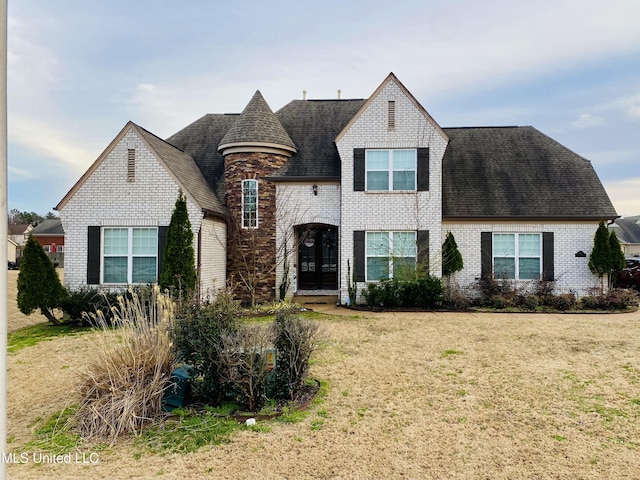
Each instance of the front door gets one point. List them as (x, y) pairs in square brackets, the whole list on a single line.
[(318, 258)]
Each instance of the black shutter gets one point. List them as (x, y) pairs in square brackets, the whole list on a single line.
[(93, 255), (358, 169), (162, 237), (358, 255), (486, 254), (547, 256), (422, 246), (423, 169)]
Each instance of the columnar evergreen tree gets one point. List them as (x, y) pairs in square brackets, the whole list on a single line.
[(599, 259), (607, 256), (178, 265), (451, 256), (617, 255), (38, 283)]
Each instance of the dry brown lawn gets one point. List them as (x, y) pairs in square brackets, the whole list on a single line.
[(412, 396)]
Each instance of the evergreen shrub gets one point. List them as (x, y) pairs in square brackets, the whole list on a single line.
[(422, 292)]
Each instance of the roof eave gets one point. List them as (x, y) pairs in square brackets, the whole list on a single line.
[(215, 214), (261, 147), (301, 178), (512, 218)]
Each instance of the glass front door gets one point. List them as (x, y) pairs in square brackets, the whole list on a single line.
[(318, 258)]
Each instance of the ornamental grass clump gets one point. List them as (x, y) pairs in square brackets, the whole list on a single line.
[(121, 389)]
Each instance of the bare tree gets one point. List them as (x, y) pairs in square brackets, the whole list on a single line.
[(256, 253), (242, 360)]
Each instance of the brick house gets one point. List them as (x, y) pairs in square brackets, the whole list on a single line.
[(628, 232), (370, 185), (50, 234)]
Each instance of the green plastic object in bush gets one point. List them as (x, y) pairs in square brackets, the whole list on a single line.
[(178, 390)]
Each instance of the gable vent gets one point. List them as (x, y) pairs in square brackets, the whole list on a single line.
[(392, 114), (131, 164)]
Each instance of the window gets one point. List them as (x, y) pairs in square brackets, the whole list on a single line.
[(130, 255), (249, 204), (517, 256), (390, 254), (391, 170)]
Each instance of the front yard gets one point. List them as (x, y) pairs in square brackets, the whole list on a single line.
[(410, 395)]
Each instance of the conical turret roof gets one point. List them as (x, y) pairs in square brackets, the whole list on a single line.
[(257, 126)]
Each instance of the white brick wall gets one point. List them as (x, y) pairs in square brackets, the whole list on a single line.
[(390, 210), (297, 205), (106, 198), (572, 273)]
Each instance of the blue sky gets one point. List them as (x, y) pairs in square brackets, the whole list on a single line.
[(79, 70)]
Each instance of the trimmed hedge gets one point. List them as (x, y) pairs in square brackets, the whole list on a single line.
[(426, 292)]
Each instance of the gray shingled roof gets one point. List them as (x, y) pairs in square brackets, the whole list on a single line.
[(499, 172), (51, 226), (518, 172), (200, 140), (186, 171), (18, 228), (627, 229), (313, 125), (257, 124)]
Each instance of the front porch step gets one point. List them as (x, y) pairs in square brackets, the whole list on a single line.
[(316, 299)]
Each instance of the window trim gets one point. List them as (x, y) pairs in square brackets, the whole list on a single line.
[(516, 255), (242, 192), (390, 254), (390, 169), (129, 255)]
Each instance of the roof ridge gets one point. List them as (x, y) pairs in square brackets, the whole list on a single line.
[(487, 126), (157, 137)]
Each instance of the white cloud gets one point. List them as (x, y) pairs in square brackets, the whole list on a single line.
[(625, 196), (587, 120), (20, 173), (634, 111), (64, 93), (51, 142)]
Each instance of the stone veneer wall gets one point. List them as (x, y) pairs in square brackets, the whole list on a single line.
[(251, 252)]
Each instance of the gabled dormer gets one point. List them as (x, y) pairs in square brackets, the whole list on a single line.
[(391, 143), (391, 197)]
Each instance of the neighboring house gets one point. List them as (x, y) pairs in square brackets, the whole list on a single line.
[(12, 250), (628, 232), (369, 185), (50, 234), (19, 233)]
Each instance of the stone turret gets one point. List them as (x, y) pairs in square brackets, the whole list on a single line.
[(255, 147)]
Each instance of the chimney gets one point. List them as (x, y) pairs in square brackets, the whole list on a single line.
[(304, 94), (339, 93)]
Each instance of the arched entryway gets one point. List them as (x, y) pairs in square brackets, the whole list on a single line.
[(317, 257)]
